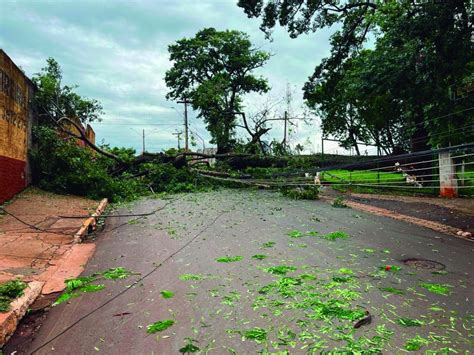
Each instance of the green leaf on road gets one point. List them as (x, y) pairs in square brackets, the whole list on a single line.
[(436, 288), (229, 259), (159, 326), (167, 294), (295, 234)]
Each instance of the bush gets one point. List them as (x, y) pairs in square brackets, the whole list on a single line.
[(167, 178), (60, 165), (301, 192)]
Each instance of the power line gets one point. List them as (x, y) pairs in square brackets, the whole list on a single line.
[(128, 288)]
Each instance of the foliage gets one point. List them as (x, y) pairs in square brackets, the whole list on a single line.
[(85, 284), (408, 322), (159, 326), (167, 178), (339, 202), (213, 71), (167, 294), (55, 100), (259, 256), (229, 259), (301, 192), (60, 165), (335, 235), (399, 94), (436, 288), (9, 291)]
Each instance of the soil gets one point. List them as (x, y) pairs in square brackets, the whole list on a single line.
[(453, 212)]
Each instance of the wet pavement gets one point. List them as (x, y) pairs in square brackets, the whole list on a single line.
[(286, 285)]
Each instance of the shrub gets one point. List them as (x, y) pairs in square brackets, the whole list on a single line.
[(60, 165), (301, 192)]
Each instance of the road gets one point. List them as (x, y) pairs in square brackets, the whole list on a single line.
[(304, 294)]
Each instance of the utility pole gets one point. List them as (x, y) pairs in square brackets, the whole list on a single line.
[(284, 134), (178, 134), (143, 142), (186, 140)]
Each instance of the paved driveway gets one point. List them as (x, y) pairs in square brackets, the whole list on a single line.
[(286, 285)]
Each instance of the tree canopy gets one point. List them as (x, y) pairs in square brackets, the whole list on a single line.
[(55, 100), (396, 92), (213, 70)]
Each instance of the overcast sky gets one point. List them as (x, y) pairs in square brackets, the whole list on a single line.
[(116, 51)]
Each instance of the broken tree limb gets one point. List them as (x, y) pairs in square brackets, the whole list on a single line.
[(86, 140)]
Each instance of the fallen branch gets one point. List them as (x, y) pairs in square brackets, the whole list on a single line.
[(86, 140)]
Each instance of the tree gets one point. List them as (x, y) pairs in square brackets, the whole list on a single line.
[(213, 70), (54, 100), (423, 49)]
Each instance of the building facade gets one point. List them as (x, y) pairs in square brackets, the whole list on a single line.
[(16, 120)]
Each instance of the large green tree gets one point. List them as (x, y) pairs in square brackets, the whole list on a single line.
[(55, 100), (213, 70), (400, 88)]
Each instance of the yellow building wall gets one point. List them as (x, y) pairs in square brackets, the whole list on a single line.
[(13, 110)]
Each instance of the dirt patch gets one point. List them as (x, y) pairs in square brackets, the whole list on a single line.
[(423, 210)]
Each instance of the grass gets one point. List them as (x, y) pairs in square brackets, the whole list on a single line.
[(9, 291), (362, 177)]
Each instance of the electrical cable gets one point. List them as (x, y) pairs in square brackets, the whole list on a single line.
[(33, 226), (133, 284)]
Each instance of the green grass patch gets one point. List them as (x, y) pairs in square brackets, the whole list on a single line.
[(362, 176)]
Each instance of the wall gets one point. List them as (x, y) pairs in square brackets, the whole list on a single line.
[(16, 116)]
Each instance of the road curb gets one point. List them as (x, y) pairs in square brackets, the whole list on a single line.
[(10, 319), (71, 265), (438, 227), (90, 223)]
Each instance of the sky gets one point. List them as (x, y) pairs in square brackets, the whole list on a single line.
[(116, 51)]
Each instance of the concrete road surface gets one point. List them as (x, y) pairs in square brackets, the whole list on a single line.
[(285, 282)]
